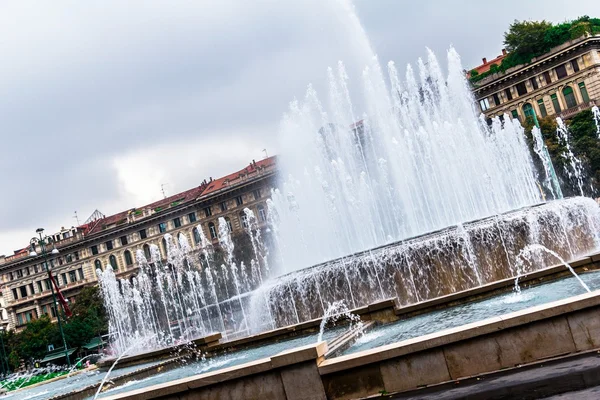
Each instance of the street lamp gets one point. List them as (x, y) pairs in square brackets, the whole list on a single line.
[(43, 241)]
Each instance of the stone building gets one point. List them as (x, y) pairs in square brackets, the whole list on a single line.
[(562, 82), (114, 240)]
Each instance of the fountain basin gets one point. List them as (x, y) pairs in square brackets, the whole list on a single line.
[(436, 264)]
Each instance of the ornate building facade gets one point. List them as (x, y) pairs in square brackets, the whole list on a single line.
[(562, 82), (114, 240)]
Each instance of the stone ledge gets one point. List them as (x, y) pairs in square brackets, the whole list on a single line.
[(299, 354), (460, 333)]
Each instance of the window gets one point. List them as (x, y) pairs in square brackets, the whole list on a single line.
[(229, 226), (19, 273), (547, 78), (39, 286), (262, 215), (11, 276), (31, 291), (197, 237), (239, 200), (508, 94), (192, 217), (94, 250), (177, 222), (542, 108), (113, 262), (23, 291), (36, 269), (48, 284), (98, 265), (14, 292), (515, 114), (123, 240), (496, 99), (147, 252), (584, 93), (162, 227), (64, 278), (128, 258), (534, 83), (569, 97), (143, 234), (257, 194), (76, 255), (521, 89), (212, 230), (575, 65), (20, 319), (69, 258), (53, 311), (207, 212), (244, 219), (528, 110), (484, 104), (561, 71), (555, 103), (109, 245), (72, 276), (66, 235), (80, 273), (223, 206), (60, 261)]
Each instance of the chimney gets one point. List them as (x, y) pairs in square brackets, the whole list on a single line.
[(484, 60), (503, 52)]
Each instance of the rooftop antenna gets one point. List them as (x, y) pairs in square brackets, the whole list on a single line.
[(77, 218), (162, 189), (266, 155)]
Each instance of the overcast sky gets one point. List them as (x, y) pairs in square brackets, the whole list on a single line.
[(102, 102)]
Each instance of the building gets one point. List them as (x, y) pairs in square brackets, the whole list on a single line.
[(562, 82), (114, 240)]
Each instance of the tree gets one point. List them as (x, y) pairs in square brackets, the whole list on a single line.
[(527, 38), (35, 338), (89, 318)]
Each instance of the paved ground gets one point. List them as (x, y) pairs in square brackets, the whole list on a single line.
[(574, 377)]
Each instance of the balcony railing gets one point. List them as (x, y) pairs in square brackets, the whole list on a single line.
[(570, 112)]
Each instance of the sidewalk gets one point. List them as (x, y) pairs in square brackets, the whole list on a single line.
[(570, 377)]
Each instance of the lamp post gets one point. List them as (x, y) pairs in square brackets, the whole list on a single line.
[(42, 242)]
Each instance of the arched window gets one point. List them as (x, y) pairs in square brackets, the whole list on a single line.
[(229, 224), (147, 252), (98, 265), (212, 230), (128, 258), (244, 219), (262, 214), (197, 238), (113, 262), (528, 110), (164, 244), (569, 97)]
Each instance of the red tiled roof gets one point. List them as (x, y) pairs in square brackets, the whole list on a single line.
[(485, 67), (183, 197), (236, 177)]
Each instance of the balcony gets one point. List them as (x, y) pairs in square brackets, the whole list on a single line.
[(571, 112)]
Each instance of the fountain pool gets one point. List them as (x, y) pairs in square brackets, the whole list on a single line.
[(473, 311), (224, 361)]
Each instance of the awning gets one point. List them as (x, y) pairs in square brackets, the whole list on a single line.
[(94, 344), (57, 355)]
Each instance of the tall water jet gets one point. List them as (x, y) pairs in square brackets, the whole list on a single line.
[(419, 160), (596, 114), (550, 182), (573, 167)]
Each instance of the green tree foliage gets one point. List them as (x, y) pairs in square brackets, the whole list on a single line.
[(88, 319), (35, 338), (525, 40), (584, 144)]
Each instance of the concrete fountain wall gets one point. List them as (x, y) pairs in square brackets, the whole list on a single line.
[(437, 264)]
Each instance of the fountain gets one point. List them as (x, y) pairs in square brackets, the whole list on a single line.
[(596, 114), (573, 167), (418, 199)]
